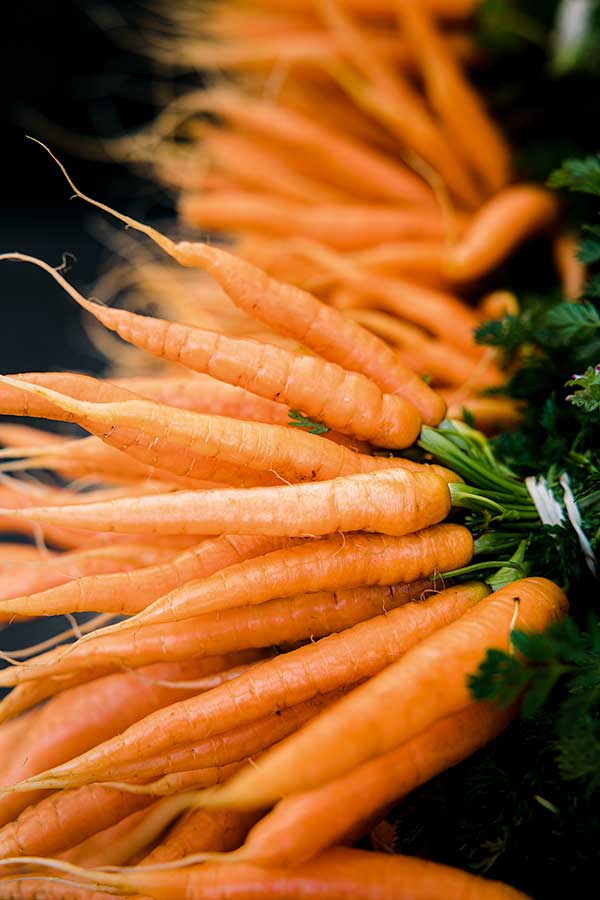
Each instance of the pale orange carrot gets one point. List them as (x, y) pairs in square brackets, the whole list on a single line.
[(497, 304), (571, 270)]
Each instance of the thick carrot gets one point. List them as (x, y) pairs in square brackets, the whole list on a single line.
[(266, 370), (428, 683), (282, 621), (338, 874), (344, 226), (498, 226), (126, 593), (300, 827), (461, 111), (80, 718), (391, 501), (337, 661)]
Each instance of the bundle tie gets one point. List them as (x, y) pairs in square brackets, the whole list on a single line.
[(551, 512)]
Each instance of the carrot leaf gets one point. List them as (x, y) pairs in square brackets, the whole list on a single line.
[(298, 420)]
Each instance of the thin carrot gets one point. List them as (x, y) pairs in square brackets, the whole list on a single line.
[(497, 304), (337, 661), (464, 117), (497, 227), (428, 683), (344, 226), (80, 718), (222, 749), (282, 621), (111, 846), (130, 592), (266, 370), (338, 874), (571, 270), (490, 414)]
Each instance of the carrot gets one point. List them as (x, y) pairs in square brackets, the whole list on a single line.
[(341, 159), (126, 593), (266, 370), (497, 304), (344, 226), (338, 874), (443, 314), (283, 621), (222, 749), (302, 826), (302, 316), (199, 829), (428, 683), (490, 414), (392, 501), (464, 117), (337, 661), (572, 272), (47, 572), (80, 718), (499, 225), (111, 846), (15, 554), (444, 363), (392, 100)]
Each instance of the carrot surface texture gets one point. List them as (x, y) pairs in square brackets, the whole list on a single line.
[(337, 661), (426, 684)]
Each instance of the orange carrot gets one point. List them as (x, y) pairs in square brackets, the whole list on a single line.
[(300, 827), (337, 661), (490, 414), (130, 592), (338, 874), (344, 226), (266, 370), (283, 621), (428, 683), (466, 122), (508, 218), (391, 501), (497, 304), (80, 718), (111, 846), (572, 272)]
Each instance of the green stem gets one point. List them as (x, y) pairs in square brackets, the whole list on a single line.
[(490, 564)]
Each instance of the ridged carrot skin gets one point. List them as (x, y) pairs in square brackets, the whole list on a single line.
[(428, 683), (283, 621), (391, 501), (335, 662)]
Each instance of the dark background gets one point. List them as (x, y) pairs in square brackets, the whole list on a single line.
[(65, 63)]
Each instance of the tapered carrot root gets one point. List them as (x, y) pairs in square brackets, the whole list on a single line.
[(84, 716), (571, 270), (266, 370), (312, 323), (459, 107), (490, 414), (300, 827), (503, 222), (222, 749), (439, 667), (282, 621), (127, 593), (46, 573), (344, 226), (392, 501), (337, 661), (338, 874)]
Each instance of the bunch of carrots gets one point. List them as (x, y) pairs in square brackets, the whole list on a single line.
[(280, 649)]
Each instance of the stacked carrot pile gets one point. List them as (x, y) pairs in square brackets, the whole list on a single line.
[(348, 153), (279, 652)]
